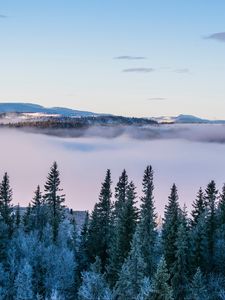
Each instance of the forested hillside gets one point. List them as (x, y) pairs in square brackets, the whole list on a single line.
[(120, 252)]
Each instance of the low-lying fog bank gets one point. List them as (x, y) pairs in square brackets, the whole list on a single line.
[(189, 155)]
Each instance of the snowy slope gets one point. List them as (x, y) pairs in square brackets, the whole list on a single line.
[(35, 108)]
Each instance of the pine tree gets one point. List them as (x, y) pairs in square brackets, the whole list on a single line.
[(131, 275), (180, 267), (171, 224), (148, 232), (199, 207), (123, 230), (23, 283), (54, 200), (211, 197), (161, 290), (100, 223), (6, 208), (198, 287)]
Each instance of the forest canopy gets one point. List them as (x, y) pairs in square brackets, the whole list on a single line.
[(120, 252)]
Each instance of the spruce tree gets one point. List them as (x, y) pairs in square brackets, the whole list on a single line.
[(37, 200), (37, 207), (211, 225), (4, 240), (6, 208), (123, 230), (100, 223), (147, 227), (132, 273), (179, 271), (18, 216), (94, 285), (198, 287), (54, 199), (172, 220), (23, 283), (27, 219), (161, 289), (82, 258), (222, 207), (198, 245), (120, 193), (199, 207)]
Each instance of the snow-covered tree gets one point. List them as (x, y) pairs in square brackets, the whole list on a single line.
[(147, 226), (23, 283), (6, 207), (171, 224), (161, 289), (54, 199), (132, 273), (122, 234), (198, 287), (100, 223), (94, 285)]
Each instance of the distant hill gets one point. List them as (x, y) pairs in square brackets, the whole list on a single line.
[(35, 108), (187, 119), (17, 112)]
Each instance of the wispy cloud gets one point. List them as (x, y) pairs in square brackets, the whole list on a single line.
[(218, 36), (156, 99), (2, 16), (130, 57), (138, 70), (182, 70)]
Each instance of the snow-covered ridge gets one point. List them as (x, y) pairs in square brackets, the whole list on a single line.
[(38, 109)]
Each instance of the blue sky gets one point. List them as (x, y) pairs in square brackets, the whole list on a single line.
[(130, 57)]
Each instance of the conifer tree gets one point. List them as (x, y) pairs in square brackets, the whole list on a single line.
[(123, 230), (198, 245), (82, 258), (198, 287), (147, 227), (211, 225), (54, 199), (161, 289), (23, 283), (131, 275), (120, 192), (27, 220), (101, 223), (94, 285), (4, 279), (180, 267), (222, 207), (3, 241), (37, 200), (199, 207), (6, 207), (37, 207), (18, 216), (172, 219)]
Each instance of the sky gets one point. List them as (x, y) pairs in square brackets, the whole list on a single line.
[(129, 57)]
